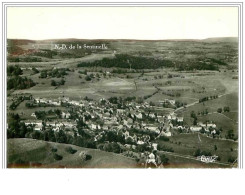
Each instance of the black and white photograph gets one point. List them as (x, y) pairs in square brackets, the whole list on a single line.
[(122, 87)]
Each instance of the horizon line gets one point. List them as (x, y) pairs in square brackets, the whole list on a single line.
[(126, 39)]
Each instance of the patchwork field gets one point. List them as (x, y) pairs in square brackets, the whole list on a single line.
[(193, 79)]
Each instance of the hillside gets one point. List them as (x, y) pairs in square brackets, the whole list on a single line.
[(29, 153)]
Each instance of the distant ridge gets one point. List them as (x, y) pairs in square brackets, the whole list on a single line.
[(211, 39), (221, 39)]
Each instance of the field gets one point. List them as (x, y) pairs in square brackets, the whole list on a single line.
[(35, 153), (187, 144), (186, 71)]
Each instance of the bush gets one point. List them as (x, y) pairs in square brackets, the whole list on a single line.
[(53, 83), (226, 109), (231, 159), (88, 157), (14, 70), (35, 70), (57, 156), (219, 110), (71, 150), (230, 135), (18, 82), (164, 159), (84, 156), (54, 149), (198, 152), (112, 147), (164, 148), (163, 138), (87, 78)]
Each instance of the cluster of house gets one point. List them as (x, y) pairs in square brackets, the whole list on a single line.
[(208, 127), (56, 126), (106, 116)]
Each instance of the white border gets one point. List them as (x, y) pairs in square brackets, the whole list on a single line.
[(177, 181)]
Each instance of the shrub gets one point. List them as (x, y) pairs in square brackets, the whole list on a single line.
[(164, 148), (198, 152), (226, 109), (54, 149), (164, 138), (53, 83), (219, 110), (84, 156), (231, 159), (18, 82), (57, 156), (14, 70), (71, 150), (164, 159), (88, 157), (87, 78)]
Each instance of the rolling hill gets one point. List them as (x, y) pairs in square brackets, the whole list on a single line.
[(30, 153)]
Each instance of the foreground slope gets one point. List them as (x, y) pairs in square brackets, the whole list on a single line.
[(24, 152)]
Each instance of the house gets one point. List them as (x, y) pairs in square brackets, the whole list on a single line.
[(126, 134), (120, 127), (65, 115), (151, 159), (33, 115), (129, 121), (180, 119), (195, 128), (94, 126), (152, 128), (211, 125), (213, 132), (140, 142), (154, 145), (152, 115), (201, 124), (37, 125), (166, 133), (120, 111), (139, 116), (169, 117)]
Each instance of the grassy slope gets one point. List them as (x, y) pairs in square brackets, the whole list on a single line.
[(187, 144), (33, 152)]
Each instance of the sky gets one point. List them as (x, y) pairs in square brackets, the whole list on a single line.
[(146, 23)]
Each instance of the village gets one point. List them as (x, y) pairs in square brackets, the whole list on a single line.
[(136, 123)]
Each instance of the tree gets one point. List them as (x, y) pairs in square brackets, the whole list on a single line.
[(164, 159), (14, 70), (193, 115), (215, 148), (195, 121), (62, 82), (57, 156), (197, 153), (53, 83), (35, 70), (61, 137), (230, 134), (88, 78), (43, 74), (231, 159), (226, 109), (219, 110)]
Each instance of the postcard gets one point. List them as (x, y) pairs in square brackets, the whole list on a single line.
[(122, 86)]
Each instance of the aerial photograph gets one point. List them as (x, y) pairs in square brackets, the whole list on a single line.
[(122, 87)]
